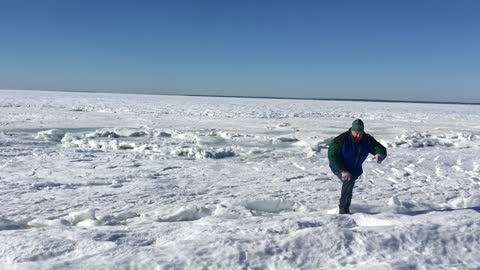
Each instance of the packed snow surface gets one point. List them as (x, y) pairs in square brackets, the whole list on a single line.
[(116, 181)]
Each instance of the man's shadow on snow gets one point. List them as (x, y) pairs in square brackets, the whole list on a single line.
[(414, 213), (422, 212)]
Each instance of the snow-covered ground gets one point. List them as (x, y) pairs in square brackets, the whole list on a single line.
[(116, 181)]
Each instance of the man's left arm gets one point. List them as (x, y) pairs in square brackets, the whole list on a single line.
[(377, 148)]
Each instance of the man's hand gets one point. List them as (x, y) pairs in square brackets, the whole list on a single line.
[(346, 176), (379, 158)]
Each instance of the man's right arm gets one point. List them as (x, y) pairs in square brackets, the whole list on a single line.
[(335, 154)]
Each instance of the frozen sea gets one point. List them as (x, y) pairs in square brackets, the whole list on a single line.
[(119, 181)]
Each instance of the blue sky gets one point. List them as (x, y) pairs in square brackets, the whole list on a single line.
[(404, 50)]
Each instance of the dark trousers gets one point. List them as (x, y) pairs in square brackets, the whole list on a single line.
[(347, 189), (346, 195)]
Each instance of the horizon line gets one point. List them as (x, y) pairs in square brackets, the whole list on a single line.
[(268, 97)]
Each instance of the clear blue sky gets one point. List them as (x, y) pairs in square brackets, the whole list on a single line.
[(407, 50)]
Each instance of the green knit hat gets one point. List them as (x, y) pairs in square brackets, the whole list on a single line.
[(357, 125)]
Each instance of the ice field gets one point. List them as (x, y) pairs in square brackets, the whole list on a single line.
[(118, 181)]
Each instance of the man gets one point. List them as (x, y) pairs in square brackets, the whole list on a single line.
[(346, 154)]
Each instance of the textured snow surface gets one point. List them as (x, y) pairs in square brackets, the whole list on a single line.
[(112, 181)]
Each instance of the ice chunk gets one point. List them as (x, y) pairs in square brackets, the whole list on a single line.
[(52, 135), (88, 223), (472, 201), (41, 222), (79, 216), (271, 205), (189, 213)]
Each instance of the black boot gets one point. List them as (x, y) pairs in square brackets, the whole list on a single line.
[(343, 210)]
